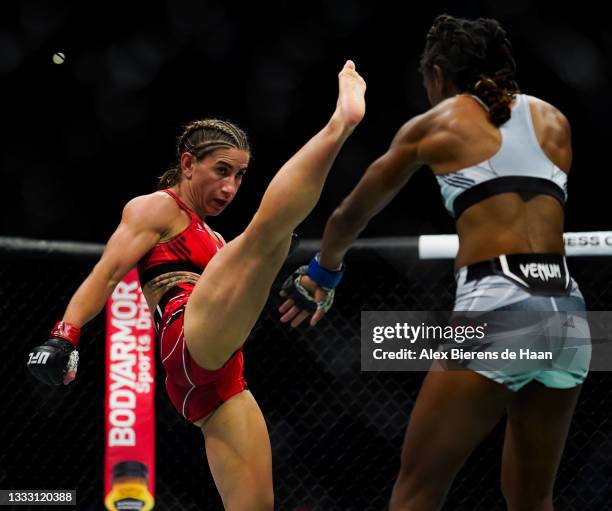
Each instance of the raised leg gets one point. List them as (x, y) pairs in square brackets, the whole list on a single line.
[(233, 289)]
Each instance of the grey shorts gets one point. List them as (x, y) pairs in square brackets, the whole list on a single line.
[(540, 324)]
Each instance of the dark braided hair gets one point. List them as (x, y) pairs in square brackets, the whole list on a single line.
[(201, 138), (476, 56)]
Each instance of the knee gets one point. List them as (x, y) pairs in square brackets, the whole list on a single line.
[(415, 489)]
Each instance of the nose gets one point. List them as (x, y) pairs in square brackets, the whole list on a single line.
[(229, 188)]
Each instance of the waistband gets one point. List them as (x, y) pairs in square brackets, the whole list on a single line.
[(155, 271), (537, 273)]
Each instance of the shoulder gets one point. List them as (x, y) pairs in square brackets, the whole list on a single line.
[(152, 203), (459, 112), (155, 210), (450, 114), (544, 112), (443, 127), (543, 106)]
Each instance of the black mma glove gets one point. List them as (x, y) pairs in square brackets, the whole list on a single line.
[(324, 278), (51, 360)]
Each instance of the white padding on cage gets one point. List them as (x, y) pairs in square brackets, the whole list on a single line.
[(438, 246), (595, 243)]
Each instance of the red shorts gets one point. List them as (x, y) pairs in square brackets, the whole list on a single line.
[(194, 391)]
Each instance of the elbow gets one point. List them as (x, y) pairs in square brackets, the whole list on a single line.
[(347, 221), (111, 284), (108, 276)]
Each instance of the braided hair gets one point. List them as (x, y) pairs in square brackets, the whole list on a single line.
[(476, 55), (201, 138)]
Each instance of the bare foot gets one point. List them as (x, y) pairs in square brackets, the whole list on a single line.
[(351, 96)]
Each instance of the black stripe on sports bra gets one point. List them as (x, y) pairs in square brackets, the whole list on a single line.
[(526, 186)]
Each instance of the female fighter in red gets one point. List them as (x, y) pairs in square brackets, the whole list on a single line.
[(204, 318)]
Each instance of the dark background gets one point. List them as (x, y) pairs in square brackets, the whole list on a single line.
[(80, 139)]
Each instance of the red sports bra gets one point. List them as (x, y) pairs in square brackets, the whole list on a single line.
[(191, 250)]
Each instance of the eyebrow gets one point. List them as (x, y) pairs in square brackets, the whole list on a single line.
[(223, 162)]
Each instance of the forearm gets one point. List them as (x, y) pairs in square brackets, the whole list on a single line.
[(380, 183), (90, 297), (340, 232)]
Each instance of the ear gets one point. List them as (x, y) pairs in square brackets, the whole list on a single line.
[(187, 162)]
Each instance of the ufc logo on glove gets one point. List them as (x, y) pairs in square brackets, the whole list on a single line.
[(38, 358)]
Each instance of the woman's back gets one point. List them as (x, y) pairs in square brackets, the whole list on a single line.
[(505, 186)]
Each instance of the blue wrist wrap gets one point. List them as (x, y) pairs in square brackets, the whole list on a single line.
[(325, 278)]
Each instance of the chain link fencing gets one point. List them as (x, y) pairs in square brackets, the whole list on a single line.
[(336, 432)]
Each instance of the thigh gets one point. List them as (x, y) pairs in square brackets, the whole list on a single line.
[(228, 298), (239, 453), (454, 411), (538, 422)]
